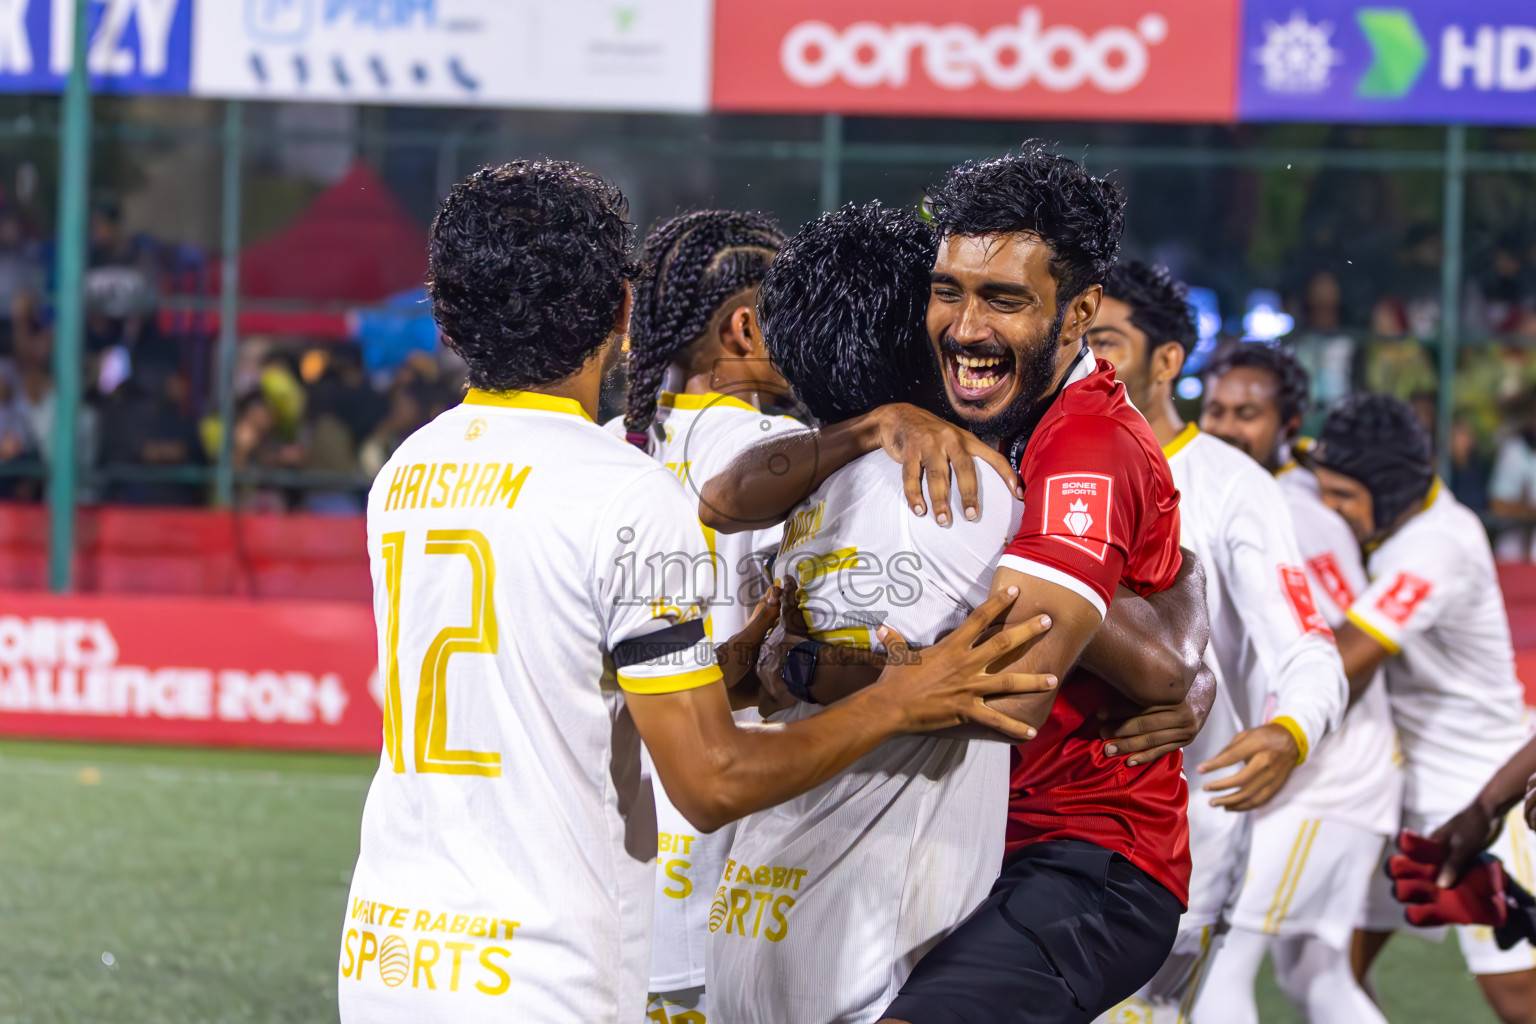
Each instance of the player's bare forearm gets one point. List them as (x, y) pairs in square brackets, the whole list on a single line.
[(1362, 656), (715, 772), (1474, 828), (842, 671), (1149, 648), (763, 483), (1074, 622), (1508, 785)]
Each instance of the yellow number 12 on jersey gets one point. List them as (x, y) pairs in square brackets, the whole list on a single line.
[(479, 637)]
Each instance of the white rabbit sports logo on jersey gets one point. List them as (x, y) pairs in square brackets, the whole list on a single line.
[(1007, 57)]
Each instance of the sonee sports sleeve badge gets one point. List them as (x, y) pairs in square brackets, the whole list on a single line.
[(1089, 493)]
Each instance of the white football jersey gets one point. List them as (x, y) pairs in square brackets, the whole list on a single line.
[(1434, 601), (1267, 637), (696, 437), (828, 900), (528, 568), (1354, 775)]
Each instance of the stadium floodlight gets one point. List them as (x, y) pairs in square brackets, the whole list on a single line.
[(1266, 320)]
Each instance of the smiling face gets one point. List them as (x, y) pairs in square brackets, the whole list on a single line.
[(997, 329), (1350, 499), (1242, 407)]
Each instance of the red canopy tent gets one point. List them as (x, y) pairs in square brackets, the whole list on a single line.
[(356, 243)]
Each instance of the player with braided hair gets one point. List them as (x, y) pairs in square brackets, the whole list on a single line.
[(1434, 616), (1317, 844), (530, 609), (694, 314), (697, 375)]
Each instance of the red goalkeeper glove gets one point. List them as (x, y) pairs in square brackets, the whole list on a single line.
[(1479, 898)]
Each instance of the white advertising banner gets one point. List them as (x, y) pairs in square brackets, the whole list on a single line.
[(590, 54)]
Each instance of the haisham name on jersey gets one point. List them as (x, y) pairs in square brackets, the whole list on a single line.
[(1077, 509)]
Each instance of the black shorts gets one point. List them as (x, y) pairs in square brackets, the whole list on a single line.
[(1069, 930)]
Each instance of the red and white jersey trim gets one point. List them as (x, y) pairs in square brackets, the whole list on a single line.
[(1041, 571)]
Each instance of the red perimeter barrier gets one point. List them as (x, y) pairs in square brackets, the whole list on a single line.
[(194, 551), (164, 644), (199, 670), (210, 665)]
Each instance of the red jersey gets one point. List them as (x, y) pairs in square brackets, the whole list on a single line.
[(1100, 509)]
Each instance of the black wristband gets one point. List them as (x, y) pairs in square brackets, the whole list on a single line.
[(800, 669)]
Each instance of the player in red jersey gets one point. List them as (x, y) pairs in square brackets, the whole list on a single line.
[(1097, 869)]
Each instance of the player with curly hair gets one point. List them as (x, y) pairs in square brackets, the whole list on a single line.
[(1316, 845), (698, 375), (1281, 685), (540, 592), (843, 311), (1433, 617), (1097, 859)]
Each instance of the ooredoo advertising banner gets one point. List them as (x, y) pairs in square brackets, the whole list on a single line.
[(1436, 61), (597, 54), (1127, 60), (209, 671)]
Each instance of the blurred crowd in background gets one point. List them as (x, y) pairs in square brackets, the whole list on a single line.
[(1341, 264)]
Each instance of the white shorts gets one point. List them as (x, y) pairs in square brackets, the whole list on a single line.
[(1171, 994), (1516, 848), (684, 1007), (1307, 876), (1218, 852)]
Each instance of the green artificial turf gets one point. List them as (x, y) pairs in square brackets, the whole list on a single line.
[(214, 882)]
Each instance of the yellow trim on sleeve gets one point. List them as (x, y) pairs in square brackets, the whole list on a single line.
[(1175, 446), (1372, 632), (704, 401), (1434, 492), (526, 400), (691, 680), (1288, 723), (1286, 468)]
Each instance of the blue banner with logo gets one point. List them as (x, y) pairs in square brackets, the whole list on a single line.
[(136, 46), (1434, 61)]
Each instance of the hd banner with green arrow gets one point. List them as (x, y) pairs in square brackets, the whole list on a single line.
[(1431, 61)]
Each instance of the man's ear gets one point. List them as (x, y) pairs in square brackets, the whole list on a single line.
[(1290, 429), (740, 337), (621, 316), (1081, 314), (1167, 362)]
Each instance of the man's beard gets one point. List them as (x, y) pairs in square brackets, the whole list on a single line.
[(1035, 374)]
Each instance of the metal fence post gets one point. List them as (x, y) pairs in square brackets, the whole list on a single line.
[(1450, 286), (229, 299), (69, 302), (831, 162)]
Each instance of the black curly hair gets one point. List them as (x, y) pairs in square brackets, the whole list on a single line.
[(692, 265), (1159, 303), (527, 264), (1379, 441), (1292, 386), (1041, 193), (844, 311)]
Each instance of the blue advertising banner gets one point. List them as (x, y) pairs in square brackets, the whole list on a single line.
[(136, 46), (1434, 61)]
